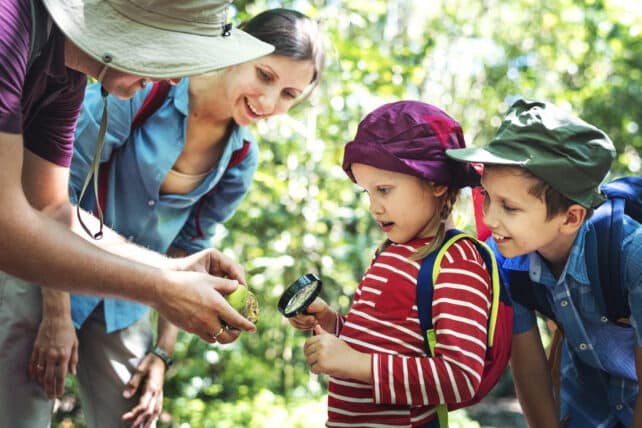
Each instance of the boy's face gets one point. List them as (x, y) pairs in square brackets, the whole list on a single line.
[(516, 218)]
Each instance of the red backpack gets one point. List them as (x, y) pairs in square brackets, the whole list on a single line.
[(500, 320)]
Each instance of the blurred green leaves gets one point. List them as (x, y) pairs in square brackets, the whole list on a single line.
[(470, 57)]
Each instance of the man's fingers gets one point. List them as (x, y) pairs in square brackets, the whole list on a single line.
[(61, 374), (50, 380), (230, 316), (226, 335), (32, 368), (222, 265), (41, 367), (225, 285), (73, 360)]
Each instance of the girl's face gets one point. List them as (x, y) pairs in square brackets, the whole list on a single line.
[(265, 87), (405, 206)]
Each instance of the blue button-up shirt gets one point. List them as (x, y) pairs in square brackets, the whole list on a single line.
[(598, 378), (134, 206)]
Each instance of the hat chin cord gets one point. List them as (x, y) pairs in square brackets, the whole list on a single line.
[(94, 169), (102, 73)]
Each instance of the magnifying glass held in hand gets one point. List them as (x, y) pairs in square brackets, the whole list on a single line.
[(299, 295)]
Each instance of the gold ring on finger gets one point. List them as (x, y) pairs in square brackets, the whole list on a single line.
[(218, 333)]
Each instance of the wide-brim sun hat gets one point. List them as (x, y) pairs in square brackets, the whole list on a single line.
[(567, 153), (156, 38), (410, 137)]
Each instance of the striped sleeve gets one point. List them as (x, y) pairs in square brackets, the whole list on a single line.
[(460, 309)]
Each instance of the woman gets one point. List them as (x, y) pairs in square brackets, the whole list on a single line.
[(165, 184)]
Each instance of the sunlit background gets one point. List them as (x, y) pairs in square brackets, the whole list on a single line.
[(470, 57)]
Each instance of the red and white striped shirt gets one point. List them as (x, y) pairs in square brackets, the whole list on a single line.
[(383, 321)]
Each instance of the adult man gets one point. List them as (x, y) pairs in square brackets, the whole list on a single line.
[(123, 44)]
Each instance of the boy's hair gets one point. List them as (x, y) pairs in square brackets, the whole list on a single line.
[(293, 35), (572, 156)]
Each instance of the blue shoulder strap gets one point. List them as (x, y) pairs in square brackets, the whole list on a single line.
[(424, 308), (428, 272), (604, 244), (425, 289)]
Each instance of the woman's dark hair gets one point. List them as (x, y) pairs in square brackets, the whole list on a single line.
[(293, 35)]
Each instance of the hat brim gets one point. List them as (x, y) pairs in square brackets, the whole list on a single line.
[(480, 155), (99, 30)]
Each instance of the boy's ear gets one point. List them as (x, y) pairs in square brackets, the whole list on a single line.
[(575, 216)]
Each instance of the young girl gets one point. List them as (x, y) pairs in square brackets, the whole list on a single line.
[(169, 182), (380, 374)]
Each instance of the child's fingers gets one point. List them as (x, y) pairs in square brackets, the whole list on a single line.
[(318, 305), (303, 322), (319, 330)]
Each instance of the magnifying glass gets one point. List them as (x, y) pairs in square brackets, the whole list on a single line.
[(298, 296)]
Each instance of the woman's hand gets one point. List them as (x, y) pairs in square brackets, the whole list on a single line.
[(149, 377)]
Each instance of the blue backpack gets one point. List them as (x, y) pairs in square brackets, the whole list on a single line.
[(603, 249), (500, 320)]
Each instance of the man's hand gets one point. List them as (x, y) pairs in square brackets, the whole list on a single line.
[(193, 297), (149, 376), (55, 352), (210, 261)]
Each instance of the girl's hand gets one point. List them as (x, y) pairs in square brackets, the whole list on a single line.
[(317, 313), (326, 353)]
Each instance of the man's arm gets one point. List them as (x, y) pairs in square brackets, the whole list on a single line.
[(532, 379), (42, 250)]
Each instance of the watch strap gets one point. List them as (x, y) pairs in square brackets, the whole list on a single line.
[(163, 356)]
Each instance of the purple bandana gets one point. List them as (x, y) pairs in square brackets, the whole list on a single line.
[(411, 137)]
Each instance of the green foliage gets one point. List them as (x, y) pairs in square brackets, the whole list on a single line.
[(471, 58)]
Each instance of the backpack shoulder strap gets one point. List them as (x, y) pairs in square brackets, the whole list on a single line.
[(154, 100), (41, 26), (604, 244), (519, 283), (524, 292), (237, 157), (428, 273)]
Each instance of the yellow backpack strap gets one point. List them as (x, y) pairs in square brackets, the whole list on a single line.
[(494, 277), (442, 409)]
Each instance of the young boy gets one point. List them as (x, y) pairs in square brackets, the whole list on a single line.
[(541, 176)]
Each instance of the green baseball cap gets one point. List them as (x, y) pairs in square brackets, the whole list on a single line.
[(570, 155)]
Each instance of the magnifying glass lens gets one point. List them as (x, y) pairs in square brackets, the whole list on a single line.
[(298, 296)]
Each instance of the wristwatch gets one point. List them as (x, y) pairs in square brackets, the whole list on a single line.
[(163, 356)]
